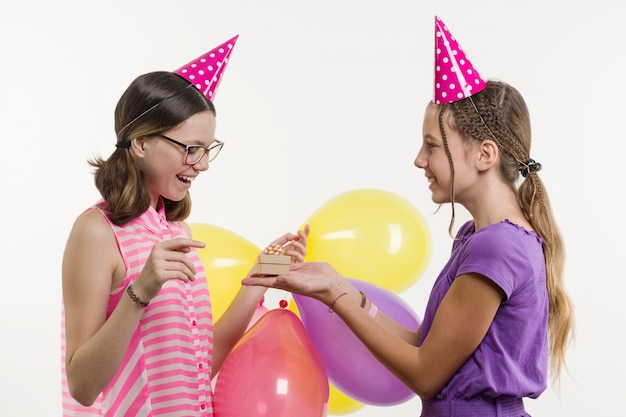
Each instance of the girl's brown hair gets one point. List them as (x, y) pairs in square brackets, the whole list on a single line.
[(153, 103), (499, 113)]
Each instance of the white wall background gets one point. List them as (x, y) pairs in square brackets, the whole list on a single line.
[(328, 96)]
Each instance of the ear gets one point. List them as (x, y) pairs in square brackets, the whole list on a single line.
[(137, 146), (488, 152)]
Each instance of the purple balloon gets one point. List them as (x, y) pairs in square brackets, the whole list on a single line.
[(351, 367)]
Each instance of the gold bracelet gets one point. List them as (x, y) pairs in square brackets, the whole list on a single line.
[(135, 298)]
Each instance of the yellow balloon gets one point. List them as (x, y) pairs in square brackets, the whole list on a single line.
[(293, 308), (341, 403), (371, 235), (227, 258)]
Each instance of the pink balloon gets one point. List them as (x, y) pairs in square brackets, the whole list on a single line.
[(273, 371), (258, 313), (350, 365)]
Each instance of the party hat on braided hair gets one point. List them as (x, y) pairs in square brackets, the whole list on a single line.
[(205, 72), (455, 76)]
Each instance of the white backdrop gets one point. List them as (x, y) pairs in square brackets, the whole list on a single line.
[(327, 96)]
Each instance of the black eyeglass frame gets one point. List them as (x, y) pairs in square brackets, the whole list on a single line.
[(207, 149)]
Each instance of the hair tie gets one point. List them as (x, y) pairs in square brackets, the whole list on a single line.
[(529, 166), (125, 144)]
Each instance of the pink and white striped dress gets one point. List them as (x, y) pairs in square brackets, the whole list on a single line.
[(166, 369)]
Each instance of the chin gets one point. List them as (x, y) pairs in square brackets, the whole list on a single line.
[(439, 199), (175, 197)]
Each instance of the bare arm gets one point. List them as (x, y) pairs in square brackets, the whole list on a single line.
[(92, 268), (95, 348), (459, 326), (234, 322)]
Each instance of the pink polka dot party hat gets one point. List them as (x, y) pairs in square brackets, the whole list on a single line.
[(455, 76), (206, 71)]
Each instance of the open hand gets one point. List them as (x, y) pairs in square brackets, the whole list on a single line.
[(313, 279)]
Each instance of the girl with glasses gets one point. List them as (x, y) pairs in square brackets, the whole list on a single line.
[(138, 335)]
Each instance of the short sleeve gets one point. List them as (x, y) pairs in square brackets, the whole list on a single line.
[(498, 252)]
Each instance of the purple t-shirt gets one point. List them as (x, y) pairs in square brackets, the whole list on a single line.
[(512, 359)]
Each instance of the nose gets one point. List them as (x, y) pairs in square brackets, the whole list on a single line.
[(203, 163), (420, 159)]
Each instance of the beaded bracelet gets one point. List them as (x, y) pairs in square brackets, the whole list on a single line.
[(363, 299), (135, 298), (332, 303), (373, 309)]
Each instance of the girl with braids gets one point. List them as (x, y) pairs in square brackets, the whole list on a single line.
[(498, 316), (138, 337)]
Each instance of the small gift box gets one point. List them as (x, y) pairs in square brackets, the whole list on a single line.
[(273, 264), (273, 261)]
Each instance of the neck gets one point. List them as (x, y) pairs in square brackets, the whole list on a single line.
[(495, 203)]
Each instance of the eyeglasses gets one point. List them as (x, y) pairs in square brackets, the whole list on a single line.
[(194, 153)]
